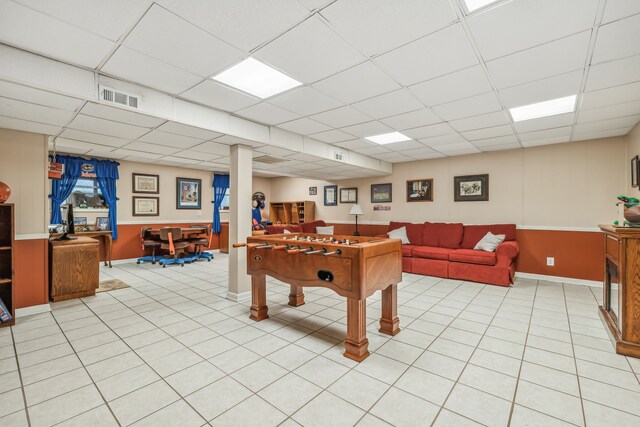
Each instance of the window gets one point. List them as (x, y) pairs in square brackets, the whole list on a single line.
[(87, 194), (224, 206)]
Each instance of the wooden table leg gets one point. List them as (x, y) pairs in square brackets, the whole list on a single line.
[(389, 322), (109, 240), (356, 344), (296, 296), (259, 298)]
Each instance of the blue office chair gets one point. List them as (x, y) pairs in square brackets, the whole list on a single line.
[(200, 243), (171, 240)]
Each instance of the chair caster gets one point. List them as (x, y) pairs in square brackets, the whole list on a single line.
[(153, 263), (137, 262), (208, 259), (164, 266), (181, 265)]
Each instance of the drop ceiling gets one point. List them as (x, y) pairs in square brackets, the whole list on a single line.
[(428, 69)]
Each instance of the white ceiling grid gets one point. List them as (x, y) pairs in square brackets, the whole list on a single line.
[(442, 77)]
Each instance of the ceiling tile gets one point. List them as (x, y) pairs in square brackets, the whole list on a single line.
[(404, 145), (309, 52), (151, 148), (614, 73), (461, 84), (423, 153), (437, 141), (104, 153), (94, 137), (600, 134), (389, 104), (242, 23), (332, 136), (120, 115), (35, 113), (364, 130), (36, 96), (616, 9), (234, 140), (618, 39), (170, 139), (137, 155), (340, 117), (414, 119), (219, 96), (558, 57), (473, 106), (542, 90), (28, 29), (305, 101), (438, 54), (28, 126), (358, 145), (139, 68), (488, 132), (186, 130), (457, 147), (267, 113), (500, 147), (107, 127), (617, 123), (164, 36), (479, 122), (429, 131), (392, 157), (496, 141), (611, 96), (304, 126), (545, 123), (521, 24), (357, 83), (609, 112), (376, 26), (545, 134), (211, 147)]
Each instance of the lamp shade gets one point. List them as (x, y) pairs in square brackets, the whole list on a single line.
[(356, 210)]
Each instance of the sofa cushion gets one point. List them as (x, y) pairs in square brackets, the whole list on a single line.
[(310, 227), (279, 229), (489, 242), (473, 256), (431, 252), (443, 235), (399, 233), (414, 231), (473, 233), (407, 250)]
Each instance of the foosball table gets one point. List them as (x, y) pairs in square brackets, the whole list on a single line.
[(353, 267)]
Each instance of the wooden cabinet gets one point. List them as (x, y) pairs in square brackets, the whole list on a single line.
[(292, 212), (620, 310), (7, 249), (74, 268), (224, 237)]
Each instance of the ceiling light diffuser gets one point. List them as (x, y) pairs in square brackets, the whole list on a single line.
[(544, 109), (388, 138), (256, 78), (477, 4)]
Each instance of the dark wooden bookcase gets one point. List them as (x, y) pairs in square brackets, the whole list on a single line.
[(7, 249)]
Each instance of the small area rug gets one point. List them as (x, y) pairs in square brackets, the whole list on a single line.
[(111, 285)]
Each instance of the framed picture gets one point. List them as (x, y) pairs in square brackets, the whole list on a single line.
[(381, 193), (471, 188), (80, 220), (143, 183), (634, 171), (420, 190), (331, 195), (313, 191), (102, 223), (188, 193), (349, 195), (90, 227), (146, 206)]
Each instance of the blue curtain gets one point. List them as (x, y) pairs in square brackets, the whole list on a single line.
[(106, 175), (220, 187), (61, 189)]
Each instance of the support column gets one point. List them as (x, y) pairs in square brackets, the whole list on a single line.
[(240, 187)]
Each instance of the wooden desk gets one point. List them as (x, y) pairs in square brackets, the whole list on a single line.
[(106, 243), (74, 268), (224, 237), (186, 231)]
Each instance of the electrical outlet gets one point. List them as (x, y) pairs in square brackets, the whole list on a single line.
[(551, 261)]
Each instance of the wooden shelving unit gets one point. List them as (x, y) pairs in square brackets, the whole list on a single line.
[(295, 212), (7, 245)]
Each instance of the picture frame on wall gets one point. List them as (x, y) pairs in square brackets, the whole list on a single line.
[(313, 191), (145, 183), (188, 193), (634, 171), (381, 193), (146, 206), (331, 195), (420, 190), (349, 195), (102, 223), (471, 188), (80, 220)]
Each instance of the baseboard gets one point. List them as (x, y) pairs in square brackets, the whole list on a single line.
[(239, 297), (34, 309), (559, 279)]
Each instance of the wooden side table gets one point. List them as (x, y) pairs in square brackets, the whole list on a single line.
[(74, 268)]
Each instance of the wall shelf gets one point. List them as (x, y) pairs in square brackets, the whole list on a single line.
[(295, 212)]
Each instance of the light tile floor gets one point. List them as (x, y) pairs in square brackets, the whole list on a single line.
[(171, 350)]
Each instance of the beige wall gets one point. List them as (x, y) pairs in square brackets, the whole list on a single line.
[(23, 166), (563, 185), (633, 149)]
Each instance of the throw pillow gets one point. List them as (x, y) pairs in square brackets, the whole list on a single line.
[(286, 231), (489, 242), (324, 230), (399, 233)]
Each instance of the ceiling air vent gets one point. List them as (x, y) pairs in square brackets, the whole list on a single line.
[(268, 160), (115, 96)]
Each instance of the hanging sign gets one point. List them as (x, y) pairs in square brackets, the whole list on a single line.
[(55, 170)]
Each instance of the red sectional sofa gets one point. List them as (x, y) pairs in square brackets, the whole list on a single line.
[(305, 227), (446, 250)]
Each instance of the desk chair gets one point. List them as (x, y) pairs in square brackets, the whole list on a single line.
[(200, 243), (171, 240), (149, 243)]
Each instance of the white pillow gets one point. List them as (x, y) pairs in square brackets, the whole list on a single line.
[(399, 233), (285, 231), (324, 230), (489, 242)]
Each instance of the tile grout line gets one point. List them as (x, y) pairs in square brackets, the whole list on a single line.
[(24, 396)]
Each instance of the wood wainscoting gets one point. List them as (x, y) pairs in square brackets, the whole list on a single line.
[(31, 272)]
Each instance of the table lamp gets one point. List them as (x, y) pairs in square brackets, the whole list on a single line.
[(356, 210)]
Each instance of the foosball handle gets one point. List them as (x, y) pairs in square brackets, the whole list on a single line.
[(279, 247), (293, 251), (239, 245)]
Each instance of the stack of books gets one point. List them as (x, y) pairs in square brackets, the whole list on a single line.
[(5, 315)]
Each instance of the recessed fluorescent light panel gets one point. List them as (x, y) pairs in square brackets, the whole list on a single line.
[(388, 138), (544, 109), (477, 4), (256, 78)]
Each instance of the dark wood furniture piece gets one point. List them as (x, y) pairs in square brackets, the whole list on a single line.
[(106, 243), (295, 212), (186, 231), (224, 237), (620, 311), (74, 268), (7, 249), (353, 267)]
